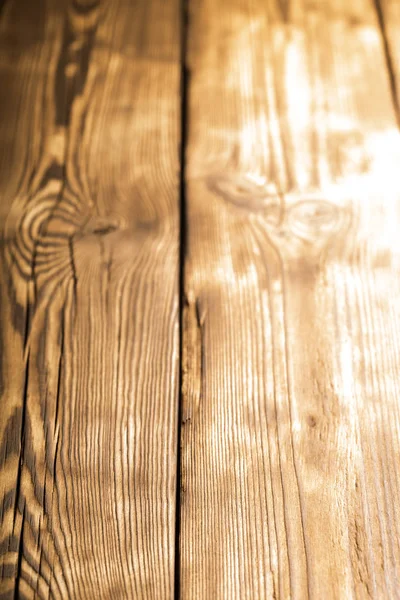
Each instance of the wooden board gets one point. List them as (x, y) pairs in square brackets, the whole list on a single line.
[(290, 424), (89, 211)]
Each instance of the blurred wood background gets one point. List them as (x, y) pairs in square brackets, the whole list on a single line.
[(199, 299)]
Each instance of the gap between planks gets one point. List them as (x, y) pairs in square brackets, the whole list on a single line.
[(182, 254)]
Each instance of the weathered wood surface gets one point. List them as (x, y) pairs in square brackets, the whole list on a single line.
[(290, 445), (89, 211), (290, 420)]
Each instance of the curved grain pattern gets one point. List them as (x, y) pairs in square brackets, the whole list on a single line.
[(290, 428), (89, 298)]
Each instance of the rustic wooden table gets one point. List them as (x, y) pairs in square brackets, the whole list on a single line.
[(200, 299)]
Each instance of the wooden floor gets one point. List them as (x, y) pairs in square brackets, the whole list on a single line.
[(200, 299)]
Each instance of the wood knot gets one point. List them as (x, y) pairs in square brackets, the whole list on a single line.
[(312, 421), (314, 219), (291, 217), (104, 229), (100, 226), (249, 192)]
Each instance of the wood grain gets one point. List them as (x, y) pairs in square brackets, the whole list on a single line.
[(290, 424), (89, 185)]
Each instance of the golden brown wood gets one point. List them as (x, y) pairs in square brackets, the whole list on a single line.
[(89, 210), (290, 425)]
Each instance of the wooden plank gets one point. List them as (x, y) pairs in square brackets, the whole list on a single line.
[(290, 434), (89, 184)]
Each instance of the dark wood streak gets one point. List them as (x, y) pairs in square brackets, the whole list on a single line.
[(73, 63), (285, 9), (387, 24), (2, 5)]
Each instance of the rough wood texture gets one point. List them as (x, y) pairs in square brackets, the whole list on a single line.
[(89, 210), (290, 425)]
